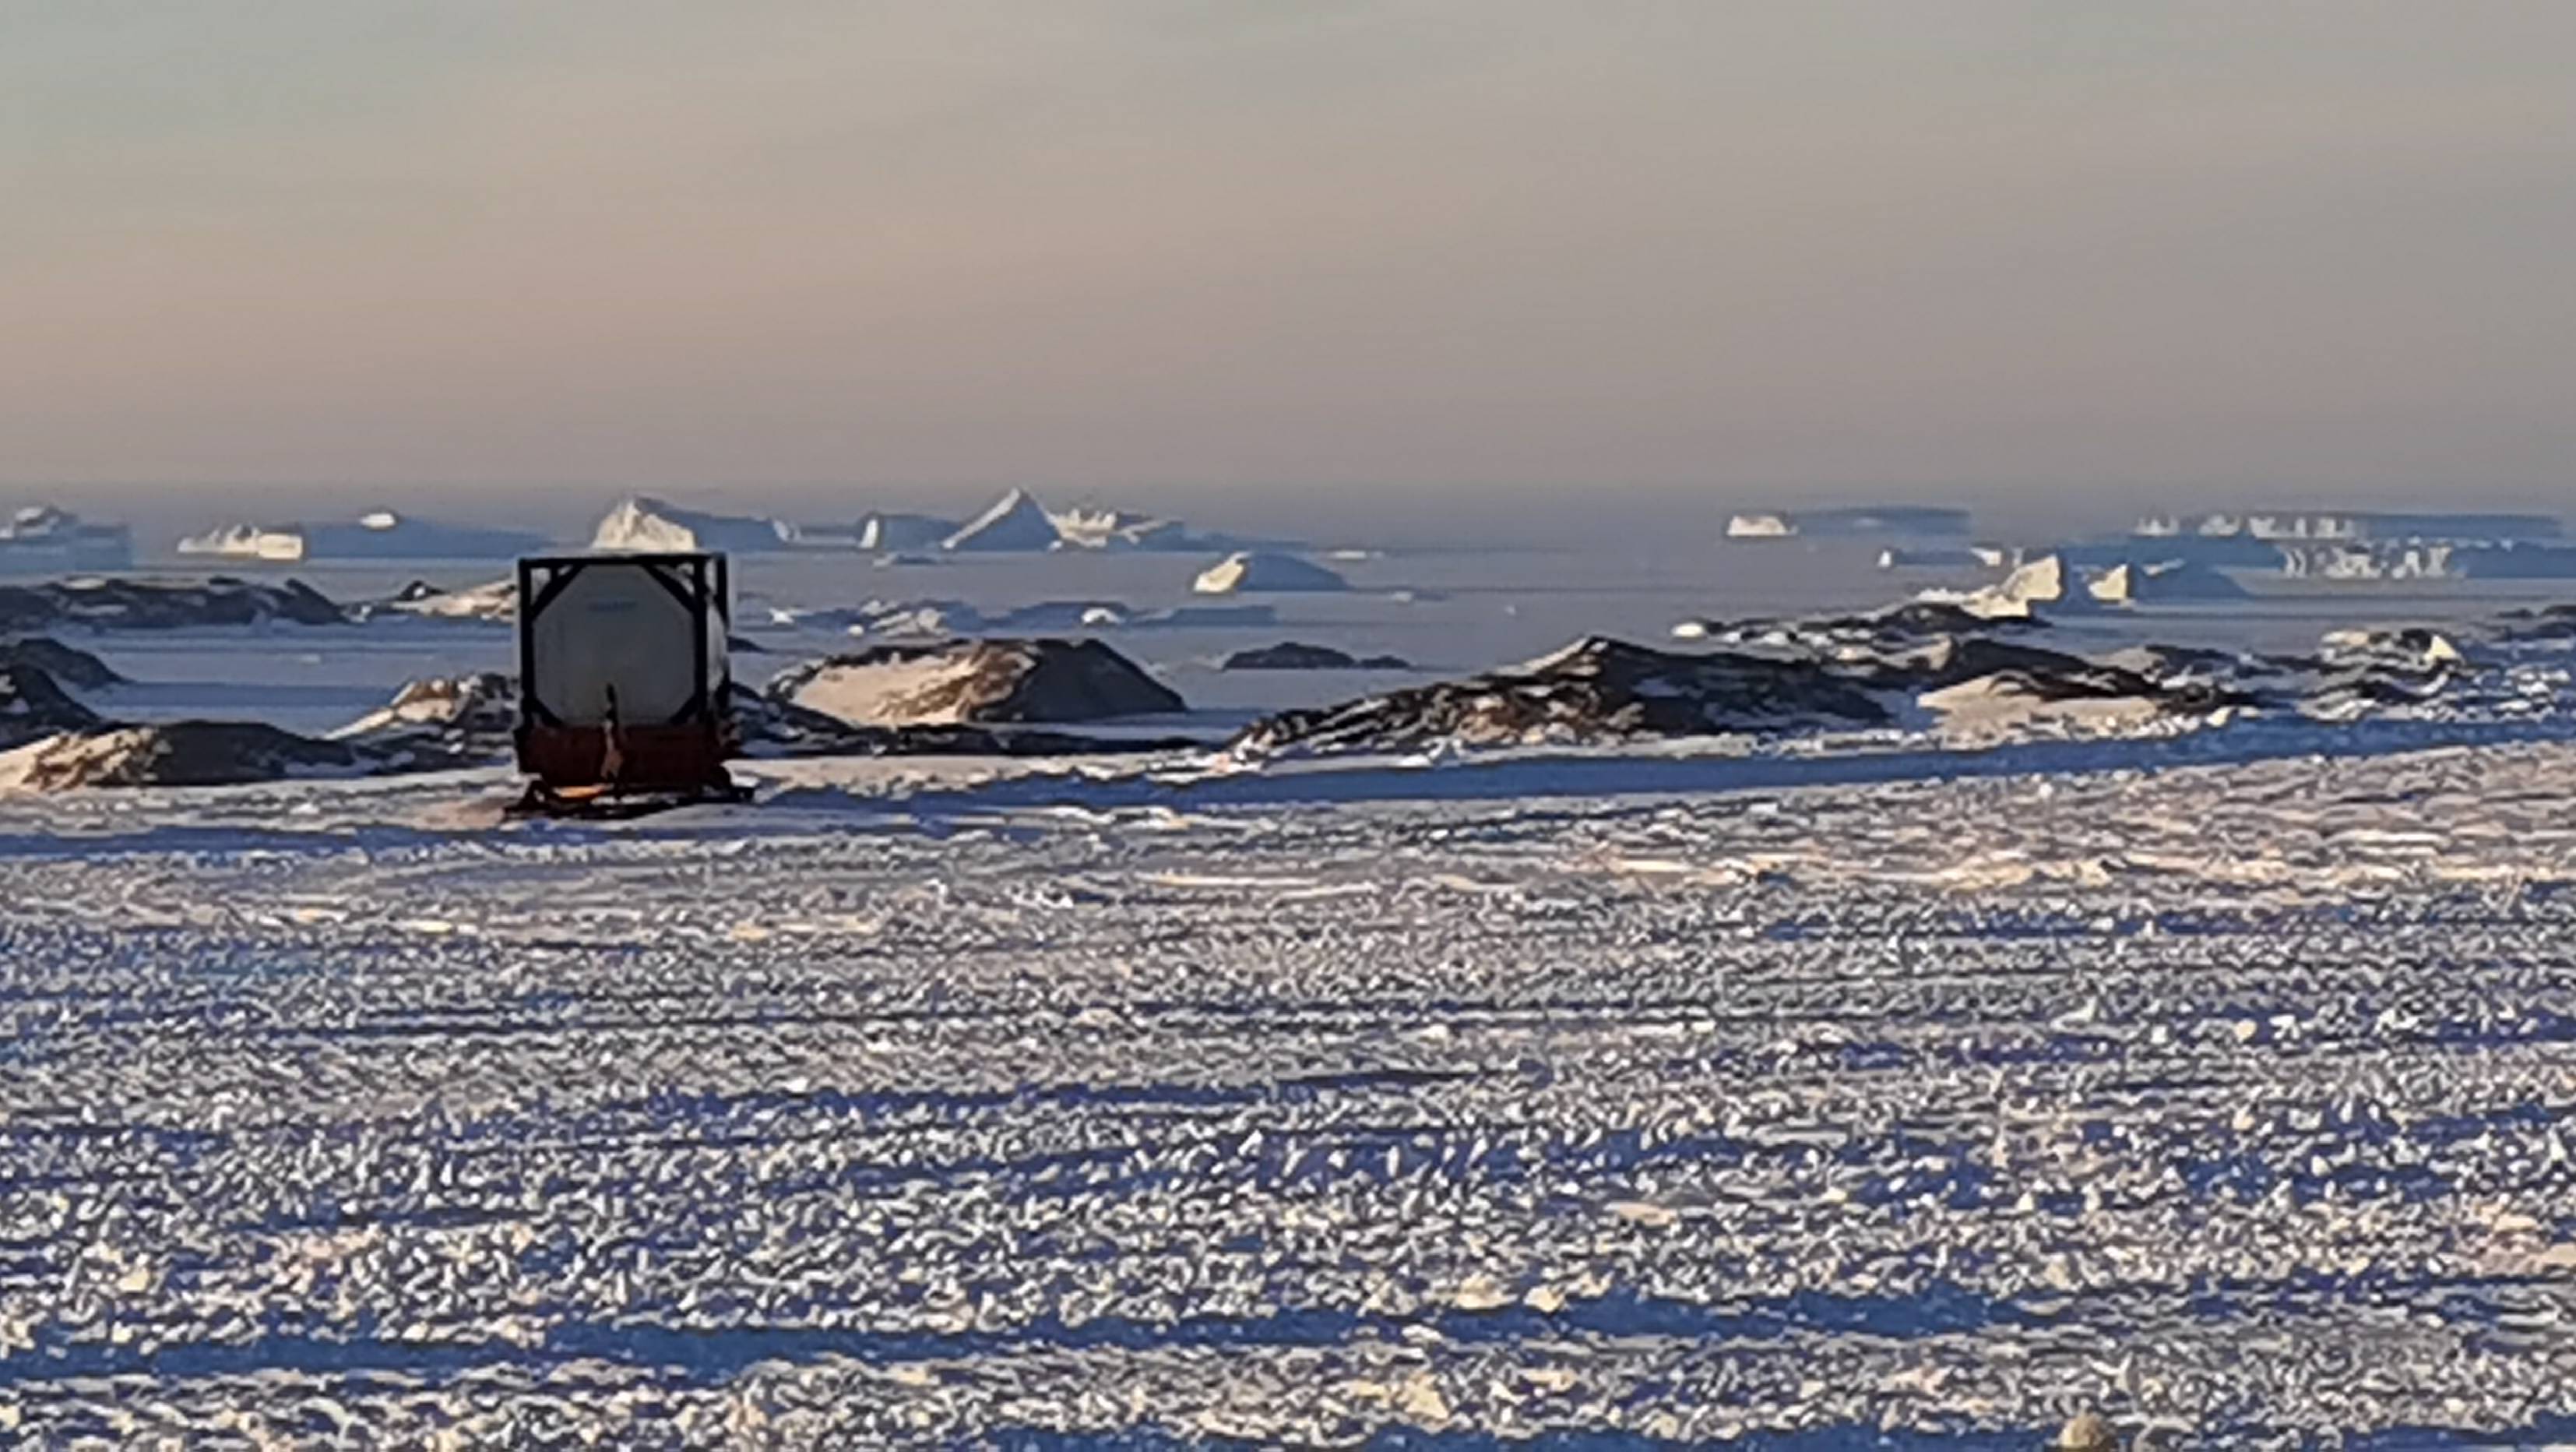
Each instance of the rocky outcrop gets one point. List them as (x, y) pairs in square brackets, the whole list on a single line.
[(439, 722), (1911, 625), (1939, 667), (496, 603), (1596, 690), (889, 531), (101, 603), (1909, 667), (975, 681), (67, 665), (1290, 655), (33, 705), (177, 753)]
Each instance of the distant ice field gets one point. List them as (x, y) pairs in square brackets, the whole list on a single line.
[(1449, 613)]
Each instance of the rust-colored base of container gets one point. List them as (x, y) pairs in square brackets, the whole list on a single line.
[(603, 804), (646, 758)]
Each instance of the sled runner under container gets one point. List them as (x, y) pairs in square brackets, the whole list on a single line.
[(623, 680)]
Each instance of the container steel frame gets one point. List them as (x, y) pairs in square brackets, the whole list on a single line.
[(620, 767)]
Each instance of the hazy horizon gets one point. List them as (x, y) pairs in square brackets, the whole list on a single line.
[(1484, 258)]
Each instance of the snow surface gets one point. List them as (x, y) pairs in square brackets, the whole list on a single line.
[(1880, 1092), (2228, 1100)]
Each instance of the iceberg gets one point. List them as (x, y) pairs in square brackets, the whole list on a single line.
[(1016, 521), (2130, 583), (43, 539), (887, 531), (2347, 525), (1263, 570), (1893, 519), (646, 525), (381, 535)]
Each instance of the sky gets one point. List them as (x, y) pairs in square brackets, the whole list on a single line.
[(1248, 257)]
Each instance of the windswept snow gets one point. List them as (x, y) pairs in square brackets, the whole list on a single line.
[(2226, 1104), (1994, 1023)]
